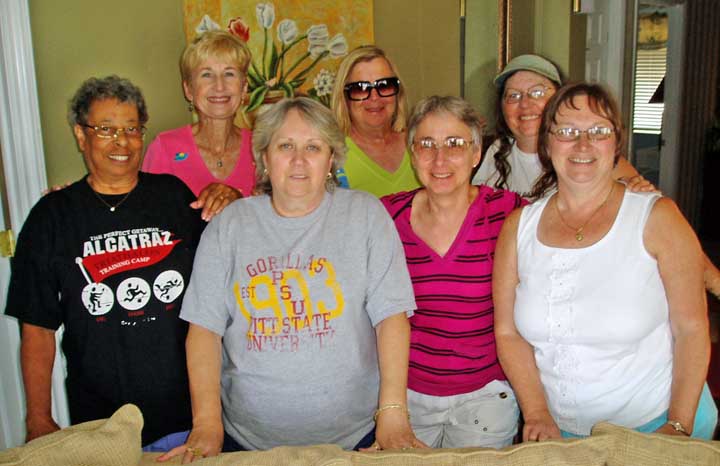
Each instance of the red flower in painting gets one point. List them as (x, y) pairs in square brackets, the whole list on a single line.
[(237, 27)]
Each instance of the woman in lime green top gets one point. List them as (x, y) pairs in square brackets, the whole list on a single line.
[(374, 123)]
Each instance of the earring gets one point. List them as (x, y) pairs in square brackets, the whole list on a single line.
[(191, 106), (265, 172), (329, 175)]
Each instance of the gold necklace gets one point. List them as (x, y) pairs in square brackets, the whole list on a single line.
[(218, 157), (219, 161), (107, 204), (579, 231), (110, 206)]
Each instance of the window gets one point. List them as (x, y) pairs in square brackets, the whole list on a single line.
[(649, 72)]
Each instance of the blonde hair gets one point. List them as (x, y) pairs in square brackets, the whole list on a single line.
[(316, 115), (217, 44), (338, 103)]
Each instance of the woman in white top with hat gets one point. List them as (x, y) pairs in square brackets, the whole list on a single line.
[(511, 162)]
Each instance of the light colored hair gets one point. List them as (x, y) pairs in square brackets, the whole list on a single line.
[(312, 112), (338, 102), (449, 105), (216, 44)]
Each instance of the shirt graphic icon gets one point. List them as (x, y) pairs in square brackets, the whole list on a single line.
[(180, 156)]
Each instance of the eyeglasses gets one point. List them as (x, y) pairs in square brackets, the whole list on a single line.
[(513, 96), (426, 149), (110, 132), (595, 133), (361, 90)]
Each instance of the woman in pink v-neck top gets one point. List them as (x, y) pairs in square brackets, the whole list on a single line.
[(457, 392), (212, 156)]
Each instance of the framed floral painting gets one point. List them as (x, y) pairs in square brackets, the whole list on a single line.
[(296, 45)]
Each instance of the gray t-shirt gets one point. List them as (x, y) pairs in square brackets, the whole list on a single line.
[(296, 301)]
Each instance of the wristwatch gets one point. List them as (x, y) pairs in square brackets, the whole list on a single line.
[(678, 427)]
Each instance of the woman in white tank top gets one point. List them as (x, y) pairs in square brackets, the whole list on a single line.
[(600, 311)]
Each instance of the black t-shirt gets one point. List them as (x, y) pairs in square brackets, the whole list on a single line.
[(116, 281)]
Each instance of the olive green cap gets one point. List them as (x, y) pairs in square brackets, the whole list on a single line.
[(534, 63)]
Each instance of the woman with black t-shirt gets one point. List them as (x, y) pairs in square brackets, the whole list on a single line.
[(109, 258)]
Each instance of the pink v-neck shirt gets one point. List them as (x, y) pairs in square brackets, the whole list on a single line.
[(452, 343), (176, 153)]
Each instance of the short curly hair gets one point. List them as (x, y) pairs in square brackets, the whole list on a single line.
[(109, 87)]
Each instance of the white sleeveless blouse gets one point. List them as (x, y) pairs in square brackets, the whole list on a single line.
[(598, 321)]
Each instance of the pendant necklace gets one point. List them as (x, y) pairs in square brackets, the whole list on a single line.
[(111, 206), (218, 158), (579, 236)]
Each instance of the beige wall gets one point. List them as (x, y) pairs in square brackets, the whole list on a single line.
[(560, 36), (523, 27), (481, 56), (73, 40), (423, 38)]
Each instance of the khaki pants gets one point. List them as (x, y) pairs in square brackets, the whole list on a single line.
[(484, 418)]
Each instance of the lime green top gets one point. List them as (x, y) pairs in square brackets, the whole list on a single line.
[(365, 175)]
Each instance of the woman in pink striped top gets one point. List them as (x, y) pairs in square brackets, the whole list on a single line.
[(458, 395)]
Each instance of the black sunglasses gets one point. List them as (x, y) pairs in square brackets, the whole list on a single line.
[(360, 90)]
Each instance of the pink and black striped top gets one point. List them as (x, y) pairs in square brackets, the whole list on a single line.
[(452, 344)]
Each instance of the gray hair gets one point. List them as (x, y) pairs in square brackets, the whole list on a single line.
[(450, 105), (317, 116), (109, 87)]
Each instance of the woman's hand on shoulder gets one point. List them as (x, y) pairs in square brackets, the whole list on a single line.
[(393, 432), (56, 187), (203, 441), (635, 182), (214, 198), (540, 427), (638, 184)]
